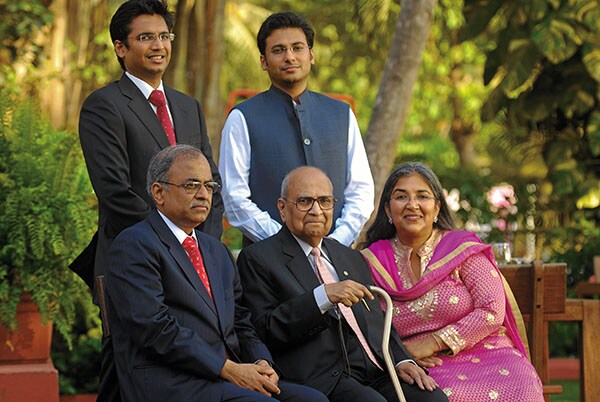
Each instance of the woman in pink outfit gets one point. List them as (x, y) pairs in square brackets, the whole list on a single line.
[(450, 307)]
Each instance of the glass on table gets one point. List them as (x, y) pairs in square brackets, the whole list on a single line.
[(501, 252)]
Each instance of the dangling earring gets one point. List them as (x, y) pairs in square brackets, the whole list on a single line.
[(435, 220), (390, 220)]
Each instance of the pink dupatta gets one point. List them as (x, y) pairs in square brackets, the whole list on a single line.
[(453, 249)]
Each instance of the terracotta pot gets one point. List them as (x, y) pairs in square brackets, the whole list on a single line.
[(30, 342)]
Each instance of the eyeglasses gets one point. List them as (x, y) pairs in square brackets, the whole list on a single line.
[(192, 187), (404, 199), (151, 37), (304, 204), (296, 49)]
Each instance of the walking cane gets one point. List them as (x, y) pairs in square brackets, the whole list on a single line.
[(385, 343)]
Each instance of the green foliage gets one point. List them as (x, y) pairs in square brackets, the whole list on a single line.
[(79, 365), (544, 77), (20, 22), (46, 216), (576, 243), (21, 18)]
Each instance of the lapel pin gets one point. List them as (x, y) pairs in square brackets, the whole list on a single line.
[(346, 273)]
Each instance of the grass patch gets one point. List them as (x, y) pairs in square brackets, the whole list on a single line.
[(571, 392)]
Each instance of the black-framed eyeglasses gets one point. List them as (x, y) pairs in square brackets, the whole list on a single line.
[(193, 186), (304, 204), (151, 37)]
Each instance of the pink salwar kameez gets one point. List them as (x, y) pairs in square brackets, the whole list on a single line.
[(459, 297)]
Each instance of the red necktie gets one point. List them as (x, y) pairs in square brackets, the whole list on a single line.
[(157, 98), (347, 312), (191, 247)]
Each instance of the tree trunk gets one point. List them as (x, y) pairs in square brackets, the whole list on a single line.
[(395, 91), (198, 57), (58, 64), (71, 48)]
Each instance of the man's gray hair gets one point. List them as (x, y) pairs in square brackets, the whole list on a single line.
[(161, 163)]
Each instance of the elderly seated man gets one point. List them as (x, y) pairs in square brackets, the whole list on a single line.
[(311, 305)]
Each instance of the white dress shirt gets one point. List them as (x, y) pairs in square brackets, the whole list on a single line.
[(147, 89), (256, 224), (177, 231)]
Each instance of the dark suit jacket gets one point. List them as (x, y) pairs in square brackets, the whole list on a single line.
[(278, 283), (119, 134), (170, 339)]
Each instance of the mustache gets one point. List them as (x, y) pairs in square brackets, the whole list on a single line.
[(201, 203)]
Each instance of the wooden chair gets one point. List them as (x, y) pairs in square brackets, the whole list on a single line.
[(540, 292)]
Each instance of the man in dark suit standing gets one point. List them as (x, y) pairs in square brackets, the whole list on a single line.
[(121, 128), (178, 329), (310, 303)]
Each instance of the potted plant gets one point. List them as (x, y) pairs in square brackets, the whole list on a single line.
[(46, 217)]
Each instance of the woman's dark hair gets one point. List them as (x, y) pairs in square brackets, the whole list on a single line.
[(381, 228), (286, 19), (121, 20)]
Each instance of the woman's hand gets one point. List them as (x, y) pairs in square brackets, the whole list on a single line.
[(430, 361), (423, 348)]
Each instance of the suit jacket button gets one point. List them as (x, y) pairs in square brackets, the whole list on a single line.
[(335, 373)]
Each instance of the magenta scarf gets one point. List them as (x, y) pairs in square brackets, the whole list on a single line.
[(453, 249)]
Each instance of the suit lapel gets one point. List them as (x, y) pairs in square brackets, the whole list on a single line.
[(180, 115), (211, 264), (214, 266), (142, 109), (180, 257), (298, 263)]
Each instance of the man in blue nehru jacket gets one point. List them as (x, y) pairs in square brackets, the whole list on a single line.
[(288, 126)]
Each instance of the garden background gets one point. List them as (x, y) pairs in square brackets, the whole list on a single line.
[(500, 97)]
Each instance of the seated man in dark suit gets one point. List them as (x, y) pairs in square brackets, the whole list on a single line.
[(178, 329), (310, 303)]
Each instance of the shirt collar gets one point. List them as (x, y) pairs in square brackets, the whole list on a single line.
[(307, 248), (179, 234), (143, 86)]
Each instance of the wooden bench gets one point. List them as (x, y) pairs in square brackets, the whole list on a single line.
[(540, 291)]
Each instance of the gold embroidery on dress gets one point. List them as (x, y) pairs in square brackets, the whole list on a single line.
[(425, 305), (504, 372), (462, 377), (447, 391), (452, 338), (453, 299), (490, 318), (494, 395)]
